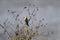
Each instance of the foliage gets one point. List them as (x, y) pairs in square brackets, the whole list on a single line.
[(26, 35)]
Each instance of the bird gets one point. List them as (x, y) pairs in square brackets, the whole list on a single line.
[(26, 20)]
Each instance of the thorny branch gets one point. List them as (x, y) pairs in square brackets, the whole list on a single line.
[(30, 15), (33, 14), (16, 19)]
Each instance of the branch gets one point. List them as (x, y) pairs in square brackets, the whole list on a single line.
[(22, 10), (30, 15), (5, 30)]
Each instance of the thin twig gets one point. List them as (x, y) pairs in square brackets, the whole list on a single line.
[(30, 15), (5, 30)]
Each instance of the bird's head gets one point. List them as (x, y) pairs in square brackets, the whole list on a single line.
[(25, 17)]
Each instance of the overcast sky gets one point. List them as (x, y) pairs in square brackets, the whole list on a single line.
[(48, 8)]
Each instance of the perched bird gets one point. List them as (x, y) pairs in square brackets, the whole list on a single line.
[(26, 20)]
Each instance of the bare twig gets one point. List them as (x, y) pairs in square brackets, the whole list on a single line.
[(22, 10), (5, 30), (30, 15)]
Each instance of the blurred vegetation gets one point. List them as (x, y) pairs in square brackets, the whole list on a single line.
[(24, 33)]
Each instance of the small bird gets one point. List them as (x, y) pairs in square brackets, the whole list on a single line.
[(26, 20)]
